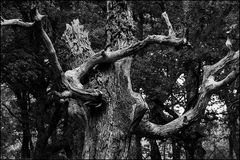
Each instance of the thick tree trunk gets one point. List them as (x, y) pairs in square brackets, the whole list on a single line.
[(106, 136), (75, 133)]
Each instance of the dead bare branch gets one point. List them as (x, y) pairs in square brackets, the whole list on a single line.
[(209, 86), (17, 22)]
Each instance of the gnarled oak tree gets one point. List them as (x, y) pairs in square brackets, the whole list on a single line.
[(115, 116)]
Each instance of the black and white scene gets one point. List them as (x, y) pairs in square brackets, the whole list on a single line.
[(119, 79)]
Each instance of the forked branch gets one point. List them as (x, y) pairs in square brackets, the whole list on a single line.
[(112, 56), (74, 86), (71, 78), (209, 86)]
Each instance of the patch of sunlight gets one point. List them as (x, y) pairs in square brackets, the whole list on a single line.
[(14, 147), (178, 109), (217, 106), (181, 79)]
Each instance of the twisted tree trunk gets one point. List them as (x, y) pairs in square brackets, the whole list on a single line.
[(107, 134)]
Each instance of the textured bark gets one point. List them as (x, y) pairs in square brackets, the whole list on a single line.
[(107, 133), (75, 132)]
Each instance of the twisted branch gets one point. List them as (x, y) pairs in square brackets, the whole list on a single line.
[(71, 78), (209, 86)]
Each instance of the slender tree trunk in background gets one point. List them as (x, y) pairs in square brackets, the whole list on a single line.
[(185, 4), (200, 151), (41, 143), (138, 147), (176, 150), (234, 129), (68, 136), (193, 145), (140, 26), (235, 140), (230, 139), (214, 150), (194, 149), (192, 85), (155, 153), (23, 104), (164, 150), (42, 149), (139, 35), (189, 148), (26, 138), (230, 145), (35, 44)]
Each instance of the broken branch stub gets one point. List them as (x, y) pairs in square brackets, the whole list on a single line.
[(171, 32), (76, 37)]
